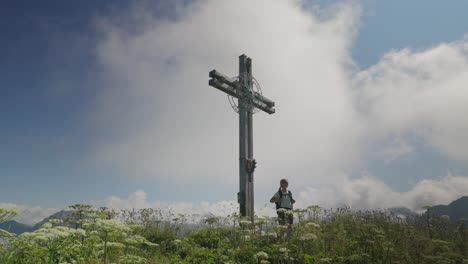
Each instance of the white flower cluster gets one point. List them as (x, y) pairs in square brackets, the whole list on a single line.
[(245, 223), (314, 225), (135, 240), (6, 234), (48, 234), (111, 226), (308, 236), (288, 212), (176, 241), (326, 260), (55, 221), (7, 214), (116, 245), (261, 255)]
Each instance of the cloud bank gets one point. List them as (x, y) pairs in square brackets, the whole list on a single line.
[(370, 193), (365, 192), (163, 121), (422, 93), (362, 193)]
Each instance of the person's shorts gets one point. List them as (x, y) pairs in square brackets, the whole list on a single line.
[(285, 218)]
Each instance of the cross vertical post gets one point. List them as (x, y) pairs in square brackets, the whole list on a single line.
[(248, 101), (246, 138)]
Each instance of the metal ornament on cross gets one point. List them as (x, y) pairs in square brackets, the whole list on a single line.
[(249, 97)]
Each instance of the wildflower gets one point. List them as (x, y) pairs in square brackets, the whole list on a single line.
[(115, 245), (247, 238), (312, 224), (111, 226), (284, 250), (151, 244), (299, 211), (7, 214), (261, 255), (308, 236), (4, 233), (135, 240), (288, 212), (259, 221), (281, 210), (47, 225), (56, 221), (281, 227), (80, 232), (245, 222)]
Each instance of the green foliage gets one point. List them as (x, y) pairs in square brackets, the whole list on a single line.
[(319, 236), (7, 214)]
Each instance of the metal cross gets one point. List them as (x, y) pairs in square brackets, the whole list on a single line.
[(248, 99)]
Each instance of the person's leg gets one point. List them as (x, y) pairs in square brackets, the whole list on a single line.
[(291, 219), (281, 218)]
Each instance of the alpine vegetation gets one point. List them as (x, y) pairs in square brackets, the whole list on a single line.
[(318, 236)]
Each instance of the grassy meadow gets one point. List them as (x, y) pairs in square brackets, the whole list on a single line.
[(318, 236)]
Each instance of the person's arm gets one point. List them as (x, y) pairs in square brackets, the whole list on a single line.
[(275, 198)]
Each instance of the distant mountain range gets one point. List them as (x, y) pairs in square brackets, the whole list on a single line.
[(456, 210)]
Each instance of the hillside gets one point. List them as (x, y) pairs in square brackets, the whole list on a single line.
[(14, 227), (456, 210)]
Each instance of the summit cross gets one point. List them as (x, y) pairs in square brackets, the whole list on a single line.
[(248, 100)]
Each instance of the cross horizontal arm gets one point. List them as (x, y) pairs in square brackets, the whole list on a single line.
[(222, 78), (233, 88), (235, 84), (264, 100), (263, 107), (223, 87)]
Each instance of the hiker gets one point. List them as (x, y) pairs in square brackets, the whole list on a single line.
[(283, 199)]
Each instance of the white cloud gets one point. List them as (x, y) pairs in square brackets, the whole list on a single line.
[(422, 93), (370, 193)]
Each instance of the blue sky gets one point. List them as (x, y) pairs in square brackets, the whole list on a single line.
[(73, 131)]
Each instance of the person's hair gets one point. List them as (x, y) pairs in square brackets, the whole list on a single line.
[(284, 180)]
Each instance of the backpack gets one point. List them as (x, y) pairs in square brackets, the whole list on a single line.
[(281, 196)]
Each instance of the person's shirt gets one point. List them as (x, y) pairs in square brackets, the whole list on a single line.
[(285, 199)]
